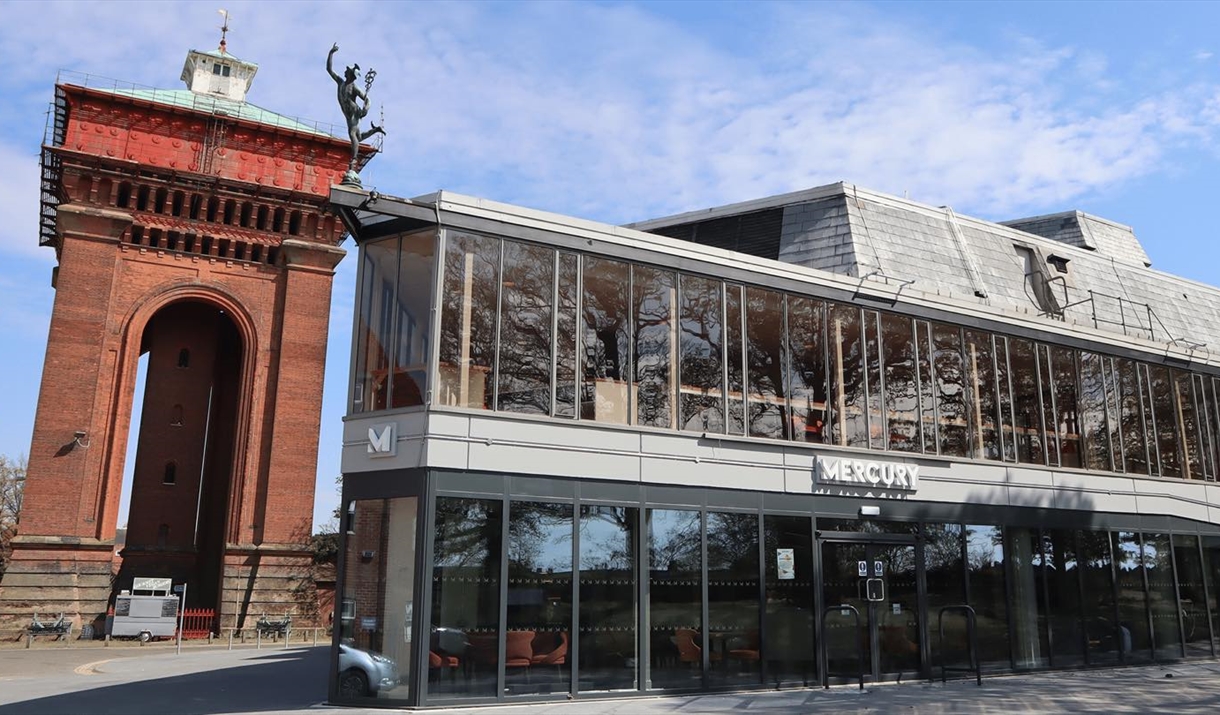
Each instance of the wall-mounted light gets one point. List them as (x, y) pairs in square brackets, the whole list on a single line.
[(870, 511), (79, 439)]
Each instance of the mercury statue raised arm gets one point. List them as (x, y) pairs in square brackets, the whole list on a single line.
[(354, 102)]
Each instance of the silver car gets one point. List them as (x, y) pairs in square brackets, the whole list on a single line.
[(363, 674)]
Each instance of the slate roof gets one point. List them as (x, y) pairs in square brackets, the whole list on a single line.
[(1108, 285)]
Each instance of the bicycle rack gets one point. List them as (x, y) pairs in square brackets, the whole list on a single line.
[(971, 637), (859, 652)]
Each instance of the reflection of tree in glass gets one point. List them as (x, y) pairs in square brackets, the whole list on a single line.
[(764, 360), (467, 534), (653, 326), (605, 341), (700, 355), (732, 544), (540, 536), (603, 548), (673, 540), (525, 329), (472, 267)]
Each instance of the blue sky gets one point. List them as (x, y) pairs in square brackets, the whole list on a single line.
[(625, 111)]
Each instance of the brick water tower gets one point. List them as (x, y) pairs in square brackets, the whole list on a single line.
[(189, 226)]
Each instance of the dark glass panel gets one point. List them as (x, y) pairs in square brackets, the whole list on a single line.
[(874, 383), (1029, 616), (378, 593), (605, 347), (675, 598), (953, 417), (1046, 379), (988, 595), (413, 306), (945, 576), (526, 295), (1164, 404), (466, 551), (1162, 596), (1061, 573), (927, 385), (1114, 429), (1102, 631), (1211, 576), (868, 526), (1067, 417), (1003, 379), (468, 320), (901, 383), (654, 341), (898, 629), (734, 639), (985, 407), (1026, 399), (806, 368), (788, 646), (375, 325), (848, 419), (1136, 642), (844, 639), (766, 411), (566, 337), (734, 345), (1131, 416), (1093, 412), (700, 350), (539, 609), (1192, 597), (1206, 402), (609, 547), (1188, 425)]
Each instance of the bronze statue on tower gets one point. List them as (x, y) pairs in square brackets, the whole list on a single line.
[(354, 103)]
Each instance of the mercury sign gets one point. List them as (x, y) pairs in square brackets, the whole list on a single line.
[(857, 472)]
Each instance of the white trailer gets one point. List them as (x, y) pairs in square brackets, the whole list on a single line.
[(145, 617)]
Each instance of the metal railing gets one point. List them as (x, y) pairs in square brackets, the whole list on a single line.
[(843, 608), (972, 644)]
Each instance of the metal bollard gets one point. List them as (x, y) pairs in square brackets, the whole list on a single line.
[(315, 637), (287, 637), (230, 639), (29, 639), (107, 641), (258, 639)]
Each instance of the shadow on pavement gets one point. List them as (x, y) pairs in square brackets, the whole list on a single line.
[(290, 680)]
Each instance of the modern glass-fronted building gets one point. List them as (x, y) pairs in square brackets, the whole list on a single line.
[(583, 460)]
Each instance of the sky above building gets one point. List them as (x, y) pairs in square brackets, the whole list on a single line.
[(620, 112)]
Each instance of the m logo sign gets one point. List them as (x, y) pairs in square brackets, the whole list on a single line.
[(383, 440)]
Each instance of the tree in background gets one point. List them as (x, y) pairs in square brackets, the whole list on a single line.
[(12, 485)]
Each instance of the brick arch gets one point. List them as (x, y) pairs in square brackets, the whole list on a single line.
[(131, 329)]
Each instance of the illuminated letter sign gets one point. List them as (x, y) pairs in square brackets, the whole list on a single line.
[(854, 472), (383, 440)]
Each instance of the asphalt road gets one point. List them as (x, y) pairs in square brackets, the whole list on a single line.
[(153, 681)]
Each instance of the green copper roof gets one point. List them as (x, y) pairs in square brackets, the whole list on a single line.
[(187, 99)]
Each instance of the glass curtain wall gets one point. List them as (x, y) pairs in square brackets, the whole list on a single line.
[(1211, 580), (988, 592), (944, 574), (609, 649), (468, 321), (1061, 585), (735, 362), (848, 410), (675, 599), (899, 356), (526, 298), (806, 383), (538, 617), (1192, 595), (1162, 596), (654, 385), (1134, 635), (788, 647), (1029, 613), (701, 356), (1100, 611), (605, 341), (734, 635), (767, 409)]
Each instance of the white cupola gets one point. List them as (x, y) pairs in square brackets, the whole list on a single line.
[(218, 73)]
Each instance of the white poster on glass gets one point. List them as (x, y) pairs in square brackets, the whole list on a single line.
[(785, 560)]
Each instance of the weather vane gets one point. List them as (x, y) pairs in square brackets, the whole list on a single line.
[(224, 29), (354, 103)]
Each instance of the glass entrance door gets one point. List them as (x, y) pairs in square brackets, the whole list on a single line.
[(881, 582)]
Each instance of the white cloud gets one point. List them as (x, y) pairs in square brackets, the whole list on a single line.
[(19, 196)]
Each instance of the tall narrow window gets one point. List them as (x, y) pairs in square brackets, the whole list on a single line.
[(412, 306), (1067, 417), (734, 346), (525, 329), (371, 390), (733, 597), (953, 415), (874, 382), (980, 363), (767, 410), (845, 339), (468, 320), (1093, 426), (675, 597), (1114, 413), (171, 473), (1188, 425), (1003, 380), (605, 340), (609, 589), (175, 416), (566, 336), (655, 344), (701, 355), (927, 386), (806, 385), (539, 608), (1164, 407), (1131, 416)]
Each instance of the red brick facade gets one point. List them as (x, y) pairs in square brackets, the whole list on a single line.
[(180, 229)]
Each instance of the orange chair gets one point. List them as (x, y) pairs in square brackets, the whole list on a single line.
[(688, 647), (750, 651), (518, 653), (436, 660), (558, 656)]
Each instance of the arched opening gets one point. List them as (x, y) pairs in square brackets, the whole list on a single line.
[(187, 430)]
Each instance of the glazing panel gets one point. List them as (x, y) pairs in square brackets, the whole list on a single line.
[(566, 337), (413, 306), (1211, 575), (1067, 417), (1136, 641), (1093, 412), (539, 612), (525, 329), (1205, 400), (1131, 416), (605, 344), (1102, 633), (378, 599), (985, 405), (1162, 597), (846, 639), (945, 575), (465, 628), (701, 355), (897, 616), (1188, 425), (655, 345), (806, 368), (1028, 608), (789, 648), (1164, 403), (609, 547), (1061, 573), (675, 598), (767, 407), (1003, 378), (953, 416), (901, 383), (927, 386), (468, 320), (374, 329), (1192, 596), (1046, 378), (1113, 413), (734, 639), (874, 383), (734, 345), (848, 419), (1026, 399), (988, 594)]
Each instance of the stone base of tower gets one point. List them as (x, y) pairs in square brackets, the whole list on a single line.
[(53, 575), (268, 581)]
